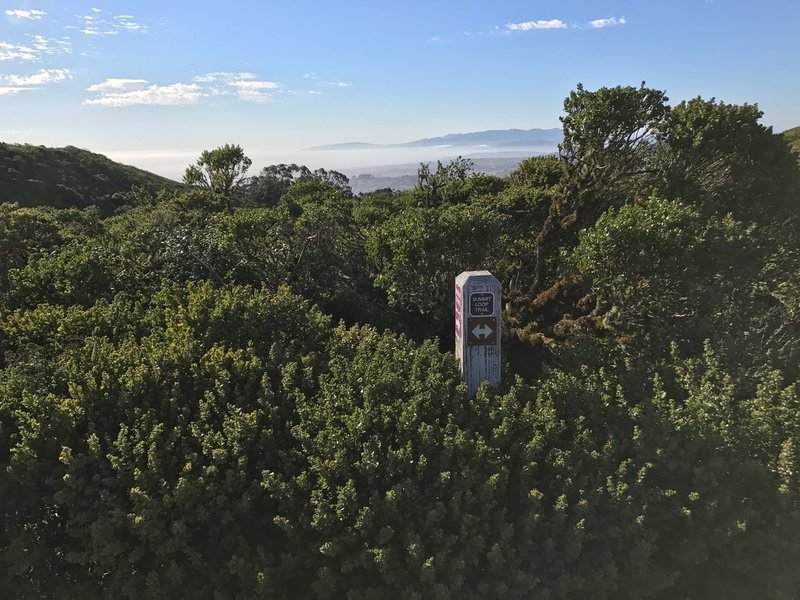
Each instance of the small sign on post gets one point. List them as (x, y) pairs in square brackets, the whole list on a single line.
[(478, 306)]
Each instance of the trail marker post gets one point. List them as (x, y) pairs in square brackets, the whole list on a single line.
[(478, 307)]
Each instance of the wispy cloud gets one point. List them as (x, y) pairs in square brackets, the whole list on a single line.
[(110, 86), (254, 91), (540, 24), (323, 81), (224, 77), (137, 92), (245, 86), (95, 24), (96, 31), (10, 51), (536, 25), (11, 85), (253, 94), (49, 46), (92, 26), (128, 23), (12, 91), (38, 47), (609, 22), (33, 15), (254, 85), (41, 77)]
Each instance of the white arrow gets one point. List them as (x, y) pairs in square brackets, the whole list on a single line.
[(482, 331)]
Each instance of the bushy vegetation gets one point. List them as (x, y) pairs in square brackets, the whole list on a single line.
[(248, 390)]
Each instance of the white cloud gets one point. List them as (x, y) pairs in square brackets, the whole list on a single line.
[(13, 52), (12, 91), (97, 25), (254, 85), (128, 23), (33, 15), (118, 85), (92, 30), (224, 77), (11, 85), (247, 95), (323, 81), (41, 77), (44, 45), (154, 95), (245, 86), (540, 24), (253, 91), (39, 47), (610, 22)]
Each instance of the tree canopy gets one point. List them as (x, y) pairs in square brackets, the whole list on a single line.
[(219, 170), (246, 388)]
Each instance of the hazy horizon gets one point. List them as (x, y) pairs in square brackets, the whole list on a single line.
[(173, 163), (153, 84)]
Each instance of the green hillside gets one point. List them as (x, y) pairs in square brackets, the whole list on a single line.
[(68, 177), (792, 137)]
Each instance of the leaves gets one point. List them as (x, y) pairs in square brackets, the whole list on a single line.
[(220, 170), (181, 414)]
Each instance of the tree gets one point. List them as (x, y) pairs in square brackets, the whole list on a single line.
[(660, 272), (220, 170), (607, 156), (417, 254), (538, 171), (446, 185), (267, 188), (721, 158)]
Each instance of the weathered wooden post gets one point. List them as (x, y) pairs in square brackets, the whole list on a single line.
[(478, 305)]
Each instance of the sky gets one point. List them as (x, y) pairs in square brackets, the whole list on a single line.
[(154, 83)]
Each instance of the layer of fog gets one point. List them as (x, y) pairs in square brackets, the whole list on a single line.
[(173, 162)]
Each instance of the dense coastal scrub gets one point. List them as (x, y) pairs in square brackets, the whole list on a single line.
[(247, 389)]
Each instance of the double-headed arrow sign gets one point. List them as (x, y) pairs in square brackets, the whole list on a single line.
[(482, 331)]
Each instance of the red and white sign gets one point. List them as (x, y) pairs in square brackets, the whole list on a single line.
[(458, 312)]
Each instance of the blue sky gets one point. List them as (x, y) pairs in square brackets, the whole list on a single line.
[(154, 83)]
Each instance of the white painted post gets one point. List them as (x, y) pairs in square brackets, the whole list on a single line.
[(478, 307)]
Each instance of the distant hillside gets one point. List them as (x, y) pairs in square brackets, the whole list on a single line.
[(495, 138), (792, 137), (499, 138), (69, 177)]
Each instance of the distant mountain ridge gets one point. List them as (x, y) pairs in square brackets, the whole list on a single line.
[(496, 138), (69, 177)]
